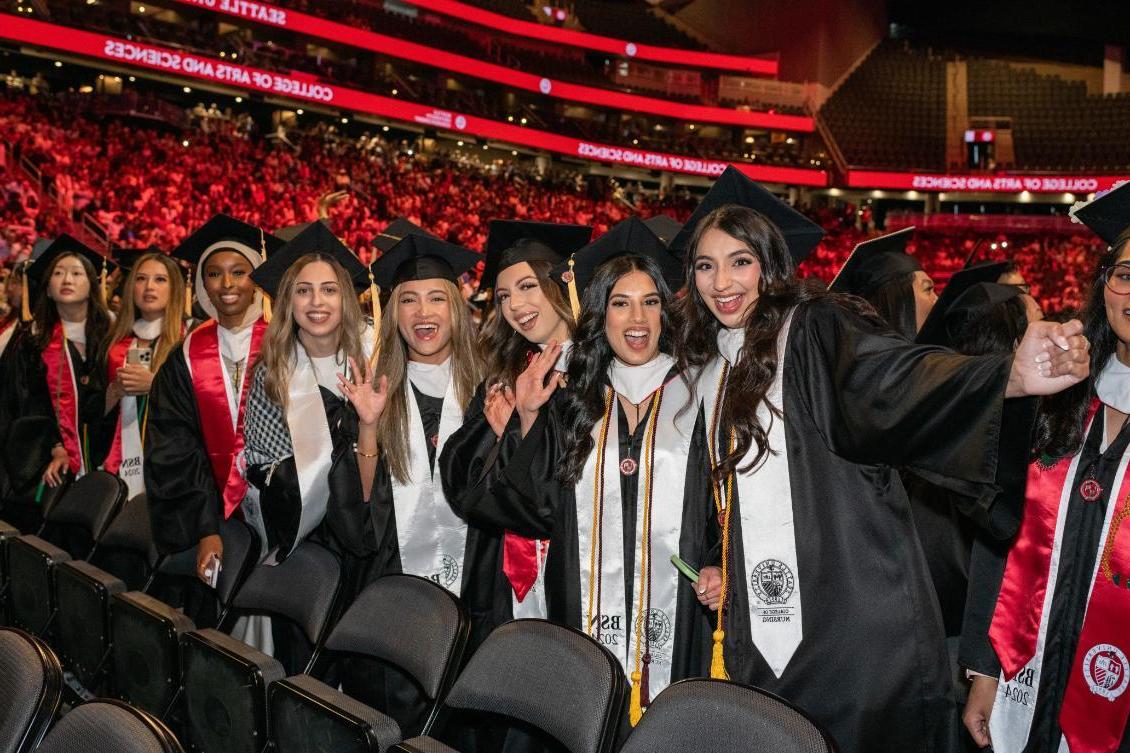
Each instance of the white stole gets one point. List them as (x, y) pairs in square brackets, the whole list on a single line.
[(668, 473), (766, 510), (431, 537), (130, 470), (1015, 704)]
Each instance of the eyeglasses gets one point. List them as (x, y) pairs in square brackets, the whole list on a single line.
[(1117, 278)]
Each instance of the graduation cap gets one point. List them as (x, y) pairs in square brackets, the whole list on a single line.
[(974, 303), (511, 242), (1107, 215), (316, 238), (65, 245), (933, 330), (664, 226), (732, 187), (127, 258), (628, 238), (236, 234), (290, 232), (875, 262), (395, 232)]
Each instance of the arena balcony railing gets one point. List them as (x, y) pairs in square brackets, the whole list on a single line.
[(304, 88), (372, 41)]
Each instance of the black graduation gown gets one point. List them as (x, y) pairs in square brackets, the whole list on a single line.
[(871, 667), (184, 503), (471, 460), (26, 403), (526, 498), (367, 531), (1082, 540)]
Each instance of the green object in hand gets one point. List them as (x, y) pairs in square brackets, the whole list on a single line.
[(684, 568), (39, 493)]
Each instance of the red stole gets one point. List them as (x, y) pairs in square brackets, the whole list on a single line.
[(115, 359), (64, 396), (1096, 703), (519, 554), (222, 441)]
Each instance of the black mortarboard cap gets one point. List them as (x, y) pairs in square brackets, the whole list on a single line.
[(66, 244), (1108, 215), (628, 238), (396, 231), (974, 303), (317, 238), (665, 227), (732, 187), (290, 232), (422, 257), (875, 262), (224, 228), (511, 242), (933, 330), (127, 258)]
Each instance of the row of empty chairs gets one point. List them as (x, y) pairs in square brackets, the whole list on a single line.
[(221, 695)]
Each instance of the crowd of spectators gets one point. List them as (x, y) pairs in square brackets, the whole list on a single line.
[(147, 185)]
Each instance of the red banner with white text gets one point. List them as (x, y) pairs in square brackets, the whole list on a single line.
[(972, 183)]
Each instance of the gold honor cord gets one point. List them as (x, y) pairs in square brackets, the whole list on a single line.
[(640, 676), (722, 506), (597, 503), (25, 297)]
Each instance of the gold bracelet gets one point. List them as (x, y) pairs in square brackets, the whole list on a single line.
[(364, 454)]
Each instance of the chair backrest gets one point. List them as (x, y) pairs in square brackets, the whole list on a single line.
[(89, 504), (106, 725), (718, 716), (408, 621), (302, 588), (241, 553), (31, 682), (130, 530), (554, 678)]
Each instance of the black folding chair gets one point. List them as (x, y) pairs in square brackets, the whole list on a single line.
[(105, 725), (553, 678), (126, 559), (7, 533), (402, 620), (221, 672), (31, 683), (718, 716), (74, 524), (147, 633)]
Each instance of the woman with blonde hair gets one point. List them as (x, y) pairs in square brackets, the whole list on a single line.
[(141, 339), (429, 366)]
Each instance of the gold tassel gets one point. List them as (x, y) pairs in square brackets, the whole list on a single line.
[(187, 295), (635, 710), (375, 302), (25, 297), (266, 298), (574, 300), (717, 660), (102, 282)]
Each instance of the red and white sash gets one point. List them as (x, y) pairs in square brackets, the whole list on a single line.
[(221, 409), (63, 390), (1096, 703), (125, 456)]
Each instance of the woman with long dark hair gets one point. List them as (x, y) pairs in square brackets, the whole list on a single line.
[(529, 311), (810, 403), (53, 390), (607, 470), (883, 273), (148, 327), (1053, 609)]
